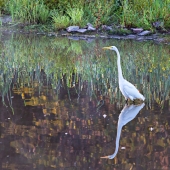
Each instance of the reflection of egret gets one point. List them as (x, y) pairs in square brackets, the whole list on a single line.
[(128, 90), (127, 114)]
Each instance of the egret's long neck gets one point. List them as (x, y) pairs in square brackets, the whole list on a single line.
[(119, 65), (119, 129)]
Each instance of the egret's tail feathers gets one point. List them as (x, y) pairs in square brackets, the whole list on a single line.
[(142, 97)]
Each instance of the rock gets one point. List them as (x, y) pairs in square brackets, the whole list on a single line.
[(107, 28), (137, 30), (90, 27), (82, 30), (72, 28), (158, 24), (143, 33), (6, 19)]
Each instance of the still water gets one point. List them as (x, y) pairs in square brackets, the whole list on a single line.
[(61, 107)]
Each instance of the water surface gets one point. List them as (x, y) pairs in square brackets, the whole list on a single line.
[(60, 104)]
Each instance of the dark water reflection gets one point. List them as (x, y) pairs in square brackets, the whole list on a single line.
[(61, 104)]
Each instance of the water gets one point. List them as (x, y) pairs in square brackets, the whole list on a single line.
[(61, 104)]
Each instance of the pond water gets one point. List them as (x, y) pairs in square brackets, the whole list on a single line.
[(61, 107)]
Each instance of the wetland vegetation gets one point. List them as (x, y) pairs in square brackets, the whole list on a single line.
[(60, 98), (59, 14)]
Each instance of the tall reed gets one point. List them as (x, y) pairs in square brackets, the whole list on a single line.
[(28, 11)]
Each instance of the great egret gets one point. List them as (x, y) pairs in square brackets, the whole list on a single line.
[(128, 90), (127, 114)]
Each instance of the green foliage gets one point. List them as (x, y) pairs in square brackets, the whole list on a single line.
[(2, 5), (60, 21), (129, 13), (28, 11), (76, 15), (143, 13), (100, 12)]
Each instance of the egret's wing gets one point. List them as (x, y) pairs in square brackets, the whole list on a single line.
[(130, 91)]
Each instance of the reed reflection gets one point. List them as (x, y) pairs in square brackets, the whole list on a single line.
[(127, 114)]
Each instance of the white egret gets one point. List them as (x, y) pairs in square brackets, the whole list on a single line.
[(128, 90), (127, 114)]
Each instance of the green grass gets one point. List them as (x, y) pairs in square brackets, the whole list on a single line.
[(128, 13), (76, 15), (28, 11), (144, 13), (60, 21)]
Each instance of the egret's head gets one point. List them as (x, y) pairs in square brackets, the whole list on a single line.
[(110, 48)]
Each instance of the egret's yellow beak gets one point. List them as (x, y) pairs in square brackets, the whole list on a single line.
[(106, 48), (105, 157)]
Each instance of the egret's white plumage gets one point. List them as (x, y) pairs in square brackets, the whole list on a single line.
[(128, 90)]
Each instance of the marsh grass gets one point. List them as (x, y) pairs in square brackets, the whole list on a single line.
[(128, 13), (76, 15), (144, 13), (60, 21), (28, 11), (99, 12)]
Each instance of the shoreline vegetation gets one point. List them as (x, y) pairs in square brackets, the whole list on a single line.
[(87, 18)]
